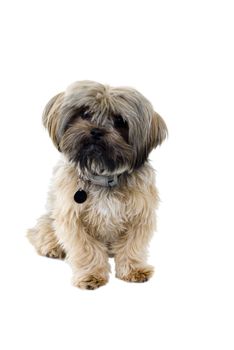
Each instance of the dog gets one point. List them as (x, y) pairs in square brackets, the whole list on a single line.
[(102, 199)]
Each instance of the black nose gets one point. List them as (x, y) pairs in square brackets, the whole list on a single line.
[(96, 133)]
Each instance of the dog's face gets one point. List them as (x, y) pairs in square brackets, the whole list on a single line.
[(103, 130)]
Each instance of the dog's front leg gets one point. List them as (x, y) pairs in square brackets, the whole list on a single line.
[(87, 256), (131, 254)]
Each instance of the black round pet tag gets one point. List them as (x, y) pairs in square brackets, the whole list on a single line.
[(80, 196)]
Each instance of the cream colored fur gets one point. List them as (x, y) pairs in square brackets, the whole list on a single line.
[(119, 223), (116, 222)]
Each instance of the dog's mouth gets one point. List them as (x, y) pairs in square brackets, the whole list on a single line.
[(96, 157), (94, 147)]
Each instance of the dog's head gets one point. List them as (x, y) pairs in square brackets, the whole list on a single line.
[(103, 130)]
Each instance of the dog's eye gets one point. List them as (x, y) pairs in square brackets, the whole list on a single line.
[(120, 122), (85, 114)]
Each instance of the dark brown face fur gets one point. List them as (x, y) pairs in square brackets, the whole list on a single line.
[(97, 148), (103, 130)]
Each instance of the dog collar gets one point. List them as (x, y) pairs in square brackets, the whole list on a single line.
[(105, 181)]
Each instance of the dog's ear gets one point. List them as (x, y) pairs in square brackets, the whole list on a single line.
[(51, 117), (158, 131), (157, 134)]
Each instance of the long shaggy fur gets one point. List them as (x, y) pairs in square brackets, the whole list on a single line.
[(117, 221)]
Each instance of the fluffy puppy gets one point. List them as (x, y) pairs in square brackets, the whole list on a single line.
[(103, 198)]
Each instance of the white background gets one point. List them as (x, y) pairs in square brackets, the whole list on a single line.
[(179, 54)]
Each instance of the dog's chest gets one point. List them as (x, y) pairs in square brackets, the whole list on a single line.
[(105, 215)]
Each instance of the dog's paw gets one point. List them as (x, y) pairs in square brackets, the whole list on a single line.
[(56, 253), (92, 281), (139, 275), (45, 242)]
